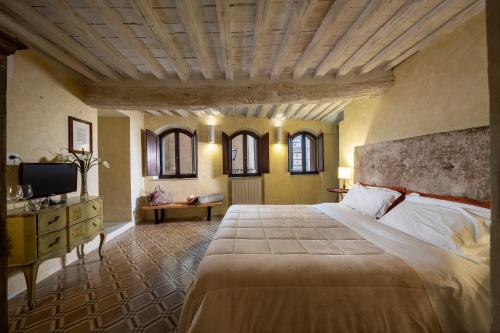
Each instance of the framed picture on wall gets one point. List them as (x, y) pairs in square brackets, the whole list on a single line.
[(79, 136)]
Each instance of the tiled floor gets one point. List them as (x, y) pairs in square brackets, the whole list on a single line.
[(139, 287)]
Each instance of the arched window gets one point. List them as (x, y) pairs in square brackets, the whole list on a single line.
[(245, 154), (178, 154), (305, 153)]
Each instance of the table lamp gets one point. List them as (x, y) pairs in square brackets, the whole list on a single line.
[(344, 173)]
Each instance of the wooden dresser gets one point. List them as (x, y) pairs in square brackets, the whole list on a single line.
[(52, 232)]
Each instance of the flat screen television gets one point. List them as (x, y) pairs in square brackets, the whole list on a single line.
[(48, 179)]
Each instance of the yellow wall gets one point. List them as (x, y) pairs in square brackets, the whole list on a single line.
[(114, 183), (440, 89), (136, 178), (280, 186), (40, 96)]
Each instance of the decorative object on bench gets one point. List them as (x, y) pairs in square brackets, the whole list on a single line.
[(160, 197), (193, 201), (84, 162), (50, 233), (205, 198)]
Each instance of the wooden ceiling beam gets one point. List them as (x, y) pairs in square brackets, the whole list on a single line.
[(114, 21), (333, 59), (300, 114), (390, 51), (297, 111), (199, 113), (35, 41), (166, 112), (325, 30), (264, 110), (220, 93), (402, 14), (278, 111), (295, 26), (157, 28), (333, 113), (113, 56), (261, 20), (470, 11), (251, 111), (190, 16), (68, 14), (290, 111), (329, 109), (153, 113), (224, 20), (181, 113), (317, 110), (52, 32)]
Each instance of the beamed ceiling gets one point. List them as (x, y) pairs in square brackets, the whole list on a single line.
[(304, 59)]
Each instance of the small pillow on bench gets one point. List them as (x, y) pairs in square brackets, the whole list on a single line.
[(204, 199)]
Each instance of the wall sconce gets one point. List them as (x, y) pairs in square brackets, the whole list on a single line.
[(278, 134), (211, 133)]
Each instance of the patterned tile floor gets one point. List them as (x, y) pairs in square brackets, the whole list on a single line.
[(140, 285)]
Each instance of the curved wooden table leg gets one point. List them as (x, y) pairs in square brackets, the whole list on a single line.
[(30, 273), (101, 244), (82, 252), (78, 252)]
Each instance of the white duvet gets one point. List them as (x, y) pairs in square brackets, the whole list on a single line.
[(458, 288)]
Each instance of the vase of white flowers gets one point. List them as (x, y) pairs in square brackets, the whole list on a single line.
[(84, 162)]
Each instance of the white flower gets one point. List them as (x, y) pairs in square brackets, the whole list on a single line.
[(106, 164)]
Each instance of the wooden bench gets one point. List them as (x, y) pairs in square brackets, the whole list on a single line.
[(179, 205)]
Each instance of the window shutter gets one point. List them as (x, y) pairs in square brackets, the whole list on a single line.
[(320, 153), (264, 153), (152, 153), (195, 153), (290, 153), (226, 154)]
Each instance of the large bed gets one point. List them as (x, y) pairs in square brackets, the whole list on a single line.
[(329, 268)]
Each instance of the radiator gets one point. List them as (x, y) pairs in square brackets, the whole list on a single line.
[(247, 191)]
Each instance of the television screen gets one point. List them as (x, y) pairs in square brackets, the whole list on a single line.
[(48, 179)]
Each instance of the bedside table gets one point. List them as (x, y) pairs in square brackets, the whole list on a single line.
[(340, 192)]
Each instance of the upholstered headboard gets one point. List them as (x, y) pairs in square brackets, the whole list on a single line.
[(451, 163)]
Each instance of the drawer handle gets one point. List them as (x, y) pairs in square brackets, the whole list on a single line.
[(95, 208), (55, 241), (54, 220), (94, 224)]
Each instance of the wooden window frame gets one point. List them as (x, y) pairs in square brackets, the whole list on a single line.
[(318, 155), (194, 145), (245, 154)]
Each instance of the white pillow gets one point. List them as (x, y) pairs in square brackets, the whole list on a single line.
[(369, 200), (460, 228)]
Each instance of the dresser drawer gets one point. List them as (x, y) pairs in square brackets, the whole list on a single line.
[(53, 243), (77, 213), (51, 220), (94, 225), (77, 234), (94, 208)]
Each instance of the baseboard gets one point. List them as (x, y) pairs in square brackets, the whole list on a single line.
[(16, 283)]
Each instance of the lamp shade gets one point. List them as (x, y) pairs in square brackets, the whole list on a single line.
[(344, 173)]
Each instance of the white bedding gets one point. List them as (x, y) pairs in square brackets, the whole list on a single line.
[(327, 268), (459, 289)]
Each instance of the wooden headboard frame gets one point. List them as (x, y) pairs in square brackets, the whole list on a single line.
[(452, 163)]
